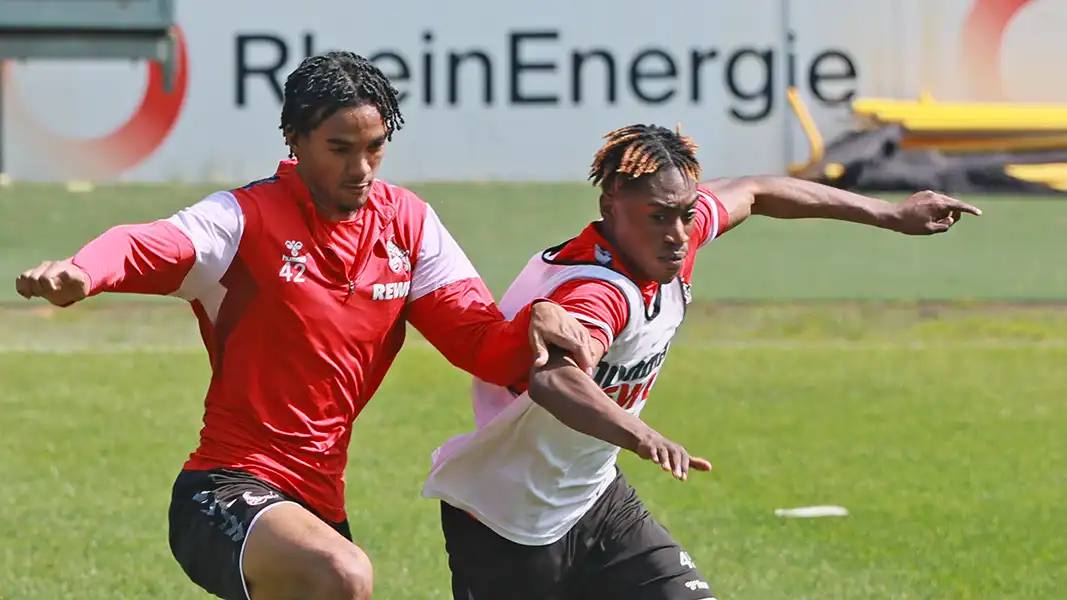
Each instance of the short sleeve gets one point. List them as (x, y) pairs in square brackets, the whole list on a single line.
[(599, 305), (711, 217)]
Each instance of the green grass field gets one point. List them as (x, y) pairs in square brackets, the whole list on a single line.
[(918, 382)]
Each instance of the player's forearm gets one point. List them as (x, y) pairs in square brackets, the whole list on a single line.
[(151, 258), (577, 402), (790, 198)]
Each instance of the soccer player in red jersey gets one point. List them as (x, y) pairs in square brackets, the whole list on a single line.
[(533, 506), (303, 284)]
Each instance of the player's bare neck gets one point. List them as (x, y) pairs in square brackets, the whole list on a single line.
[(338, 213), (604, 229)]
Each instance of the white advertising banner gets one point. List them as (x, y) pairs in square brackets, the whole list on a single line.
[(523, 91)]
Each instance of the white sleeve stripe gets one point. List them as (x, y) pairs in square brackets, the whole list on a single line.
[(427, 290), (441, 260), (713, 203), (597, 323), (214, 225)]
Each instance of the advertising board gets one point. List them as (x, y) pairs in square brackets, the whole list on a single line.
[(522, 91)]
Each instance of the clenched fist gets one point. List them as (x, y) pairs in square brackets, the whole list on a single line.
[(59, 282)]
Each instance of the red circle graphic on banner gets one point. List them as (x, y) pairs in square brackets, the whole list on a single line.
[(120, 150), (980, 46)]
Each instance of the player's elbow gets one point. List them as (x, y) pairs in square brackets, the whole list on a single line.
[(542, 386), (550, 381), (753, 195)]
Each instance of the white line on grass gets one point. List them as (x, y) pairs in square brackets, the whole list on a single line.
[(102, 350), (783, 345), (876, 345)]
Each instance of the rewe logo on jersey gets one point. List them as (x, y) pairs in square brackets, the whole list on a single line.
[(391, 291), (629, 383)]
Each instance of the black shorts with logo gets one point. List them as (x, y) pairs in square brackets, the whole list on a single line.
[(617, 551), (211, 513)]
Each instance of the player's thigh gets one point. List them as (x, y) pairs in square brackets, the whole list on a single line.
[(486, 566), (210, 515), (290, 553), (645, 563), (225, 536)]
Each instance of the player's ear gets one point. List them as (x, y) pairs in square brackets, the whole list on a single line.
[(292, 140), (607, 205)]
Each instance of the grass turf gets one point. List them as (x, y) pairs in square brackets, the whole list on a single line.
[(1005, 255), (938, 424)]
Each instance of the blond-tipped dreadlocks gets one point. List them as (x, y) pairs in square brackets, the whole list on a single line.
[(638, 150)]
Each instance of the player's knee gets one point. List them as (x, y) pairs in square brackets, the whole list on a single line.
[(345, 574)]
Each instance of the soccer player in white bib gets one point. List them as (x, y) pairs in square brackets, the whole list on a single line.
[(533, 505)]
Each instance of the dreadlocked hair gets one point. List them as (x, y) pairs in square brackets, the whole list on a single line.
[(323, 84), (635, 151)]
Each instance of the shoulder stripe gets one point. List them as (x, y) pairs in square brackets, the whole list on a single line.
[(215, 226), (713, 204), (596, 323), (252, 184)]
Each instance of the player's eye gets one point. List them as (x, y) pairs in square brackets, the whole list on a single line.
[(689, 216)]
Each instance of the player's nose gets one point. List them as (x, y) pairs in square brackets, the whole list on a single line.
[(359, 169), (676, 234)]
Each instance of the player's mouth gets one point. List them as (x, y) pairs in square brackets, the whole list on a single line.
[(673, 259), (357, 186)]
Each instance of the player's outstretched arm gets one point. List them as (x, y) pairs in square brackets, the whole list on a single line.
[(576, 400), (452, 308), (149, 258), (462, 321), (924, 213), (191, 247)]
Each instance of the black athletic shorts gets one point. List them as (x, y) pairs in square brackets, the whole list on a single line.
[(211, 513), (617, 551)]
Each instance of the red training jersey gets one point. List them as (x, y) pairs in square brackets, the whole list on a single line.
[(302, 317)]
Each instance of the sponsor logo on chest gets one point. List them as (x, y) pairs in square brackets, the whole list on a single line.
[(390, 291), (630, 382)]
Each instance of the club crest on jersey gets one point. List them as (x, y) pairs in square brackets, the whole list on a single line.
[(399, 260), (602, 256), (293, 264)]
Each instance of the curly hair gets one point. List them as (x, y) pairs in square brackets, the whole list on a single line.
[(323, 84), (635, 151)]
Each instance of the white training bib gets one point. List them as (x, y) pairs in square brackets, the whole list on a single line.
[(523, 473)]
